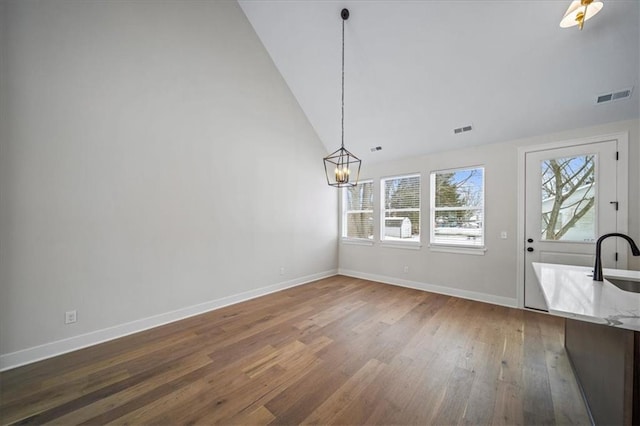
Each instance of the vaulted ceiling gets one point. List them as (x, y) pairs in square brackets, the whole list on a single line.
[(416, 70)]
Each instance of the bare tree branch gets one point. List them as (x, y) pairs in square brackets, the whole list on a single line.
[(562, 183)]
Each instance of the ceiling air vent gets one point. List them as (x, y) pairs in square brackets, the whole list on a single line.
[(463, 129), (615, 96)]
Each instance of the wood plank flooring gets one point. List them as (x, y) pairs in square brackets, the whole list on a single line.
[(337, 351)]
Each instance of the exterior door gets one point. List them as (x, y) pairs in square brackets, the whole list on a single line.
[(570, 200)]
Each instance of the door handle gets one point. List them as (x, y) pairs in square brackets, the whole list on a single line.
[(529, 249)]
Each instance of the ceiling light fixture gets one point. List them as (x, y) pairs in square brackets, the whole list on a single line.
[(340, 165), (580, 11)]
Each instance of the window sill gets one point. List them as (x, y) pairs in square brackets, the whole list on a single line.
[(478, 251), (356, 242), (400, 245)]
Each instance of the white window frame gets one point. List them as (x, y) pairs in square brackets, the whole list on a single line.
[(343, 233), (453, 247), (410, 244)]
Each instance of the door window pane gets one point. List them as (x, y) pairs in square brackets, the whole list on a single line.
[(568, 199)]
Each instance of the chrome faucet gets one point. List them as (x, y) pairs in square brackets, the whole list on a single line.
[(597, 268)]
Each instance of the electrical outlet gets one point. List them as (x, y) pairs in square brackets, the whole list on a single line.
[(70, 317), (503, 235), (406, 269), (282, 270)]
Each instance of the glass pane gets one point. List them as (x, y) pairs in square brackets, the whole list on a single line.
[(359, 197), (459, 188), (568, 198), (402, 193), (360, 225), (458, 227), (457, 214), (358, 211), (401, 208)]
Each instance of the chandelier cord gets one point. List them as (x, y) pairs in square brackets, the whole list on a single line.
[(342, 124)]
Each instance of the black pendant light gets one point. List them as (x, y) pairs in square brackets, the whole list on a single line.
[(342, 167)]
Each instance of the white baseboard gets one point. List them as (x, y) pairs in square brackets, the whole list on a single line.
[(449, 291), (59, 347)]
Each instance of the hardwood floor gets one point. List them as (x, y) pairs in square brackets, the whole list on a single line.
[(336, 351)]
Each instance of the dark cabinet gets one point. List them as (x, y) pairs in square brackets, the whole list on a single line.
[(606, 361)]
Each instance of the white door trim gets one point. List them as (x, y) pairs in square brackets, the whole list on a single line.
[(622, 191)]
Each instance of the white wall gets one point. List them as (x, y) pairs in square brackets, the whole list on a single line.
[(491, 277), (152, 158)]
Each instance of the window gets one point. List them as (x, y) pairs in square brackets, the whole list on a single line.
[(457, 207), (400, 218), (568, 198), (357, 208)]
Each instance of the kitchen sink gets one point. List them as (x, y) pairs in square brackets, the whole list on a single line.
[(626, 284)]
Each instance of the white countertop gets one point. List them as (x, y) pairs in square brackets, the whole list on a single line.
[(571, 292)]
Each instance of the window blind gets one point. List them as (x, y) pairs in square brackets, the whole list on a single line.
[(400, 208), (357, 207)]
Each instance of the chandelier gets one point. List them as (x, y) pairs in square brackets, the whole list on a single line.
[(341, 166)]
